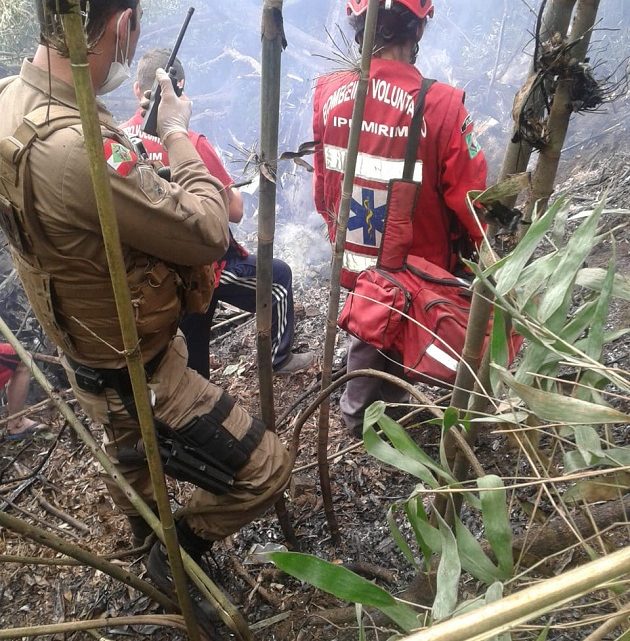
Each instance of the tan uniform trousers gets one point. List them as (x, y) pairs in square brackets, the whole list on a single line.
[(181, 395)]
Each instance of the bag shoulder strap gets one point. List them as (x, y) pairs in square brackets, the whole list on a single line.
[(415, 128), (15, 177)]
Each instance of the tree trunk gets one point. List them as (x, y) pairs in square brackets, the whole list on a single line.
[(544, 176)]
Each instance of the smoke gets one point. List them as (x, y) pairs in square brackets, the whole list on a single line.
[(482, 46)]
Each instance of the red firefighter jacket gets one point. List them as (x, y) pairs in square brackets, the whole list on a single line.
[(449, 163)]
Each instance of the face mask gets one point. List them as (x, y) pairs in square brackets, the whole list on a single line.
[(118, 71)]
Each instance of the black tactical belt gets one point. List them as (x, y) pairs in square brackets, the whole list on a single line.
[(95, 379)]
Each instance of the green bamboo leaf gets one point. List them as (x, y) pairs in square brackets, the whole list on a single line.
[(499, 351), (509, 275), (595, 342), (384, 452), (403, 452), (515, 417), (577, 249), (344, 584), (427, 536), (401, 440), (535, 277), (609, 337), (473, 559), (496, 521), (512, 186), (448, 573), (562, 409), (450, 418), (581, 320), (399, 539), (588, 442), (594, 277), (615, 456)]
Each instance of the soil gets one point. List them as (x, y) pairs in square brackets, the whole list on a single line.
[(55, 470)]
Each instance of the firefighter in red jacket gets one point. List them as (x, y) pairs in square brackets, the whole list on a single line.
[(449, 164)]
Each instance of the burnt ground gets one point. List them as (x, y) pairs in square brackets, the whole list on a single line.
[(55, 472)]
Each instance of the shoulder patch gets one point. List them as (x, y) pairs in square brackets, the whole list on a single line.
[(118, 157), (151, 185), (474, 148), (466, 123)]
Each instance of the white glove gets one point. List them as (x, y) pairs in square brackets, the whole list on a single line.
[(174, 112)]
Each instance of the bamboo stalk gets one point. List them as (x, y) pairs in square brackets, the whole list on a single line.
[(272, 35), (504, 615), (168, 620), (335, 277), (228, 613), (77, 47), (80, 554), (269, 124), (622, 618)]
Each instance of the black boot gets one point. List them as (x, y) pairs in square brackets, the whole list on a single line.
[(159, 571), (194, 544), (140, 528)]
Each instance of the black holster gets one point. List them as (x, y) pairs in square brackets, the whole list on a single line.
[(185, 463)]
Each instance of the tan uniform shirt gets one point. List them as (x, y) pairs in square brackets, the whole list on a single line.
[(184, 222)]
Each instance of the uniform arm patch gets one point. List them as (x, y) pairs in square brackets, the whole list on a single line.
[(121, 159)]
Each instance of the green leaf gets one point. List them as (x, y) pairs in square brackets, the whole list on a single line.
[(595, 342), (403, 453), (496, 521), (450, 418), (581, 320), (448, 573), (499, 351), (472, 557), (578, 248), (384, 452), (401, 440), (427, 536), (535, 277), (509, 275), (615, 456), (515, 417), (557, 408), (512, 186), (399, 539), (344, 584), (587, 442), (594, 277)]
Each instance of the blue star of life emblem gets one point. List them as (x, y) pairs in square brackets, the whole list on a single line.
[(368, 210)]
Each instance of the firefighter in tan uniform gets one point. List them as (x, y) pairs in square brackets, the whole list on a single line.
[(49, 215)]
